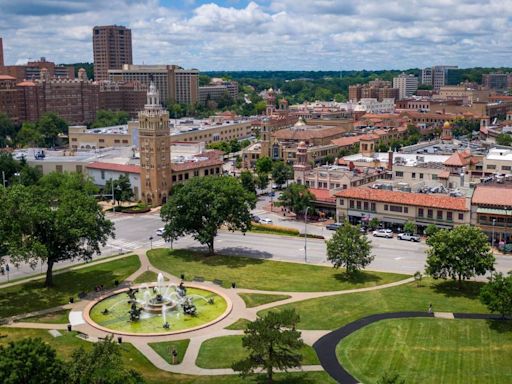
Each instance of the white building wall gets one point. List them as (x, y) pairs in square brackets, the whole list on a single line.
[(100, 178)]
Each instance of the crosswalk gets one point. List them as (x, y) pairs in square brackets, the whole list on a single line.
[(122, 245)]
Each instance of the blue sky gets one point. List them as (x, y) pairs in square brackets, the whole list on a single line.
[(268, 34)]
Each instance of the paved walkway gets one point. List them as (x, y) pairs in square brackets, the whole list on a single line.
[(325, 347), (197, 337)]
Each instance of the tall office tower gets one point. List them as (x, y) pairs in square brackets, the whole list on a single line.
[(406, 84), (1, 53), (155, 150), (112, 47), (436, 76)]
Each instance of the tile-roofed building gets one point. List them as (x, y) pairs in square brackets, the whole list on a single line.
[(395, 208), (123, 168)]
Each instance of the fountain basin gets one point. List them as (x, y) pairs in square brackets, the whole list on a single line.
[(151, 322)]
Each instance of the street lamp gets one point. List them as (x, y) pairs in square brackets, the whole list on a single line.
[(493, 225), (151, 241), (306, 235)]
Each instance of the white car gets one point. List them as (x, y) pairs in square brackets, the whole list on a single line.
[(160, 231), (387, 233), (408, 237), (264, 220)]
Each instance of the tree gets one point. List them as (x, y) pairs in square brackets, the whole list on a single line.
[(272, 343), (29, 136), (460, 253), (431, 230), (58, 219), (296, 197), (247, 180), (497, 294), (122, 188), (101, 365), (504, 139), (31, 361), (262, 180), (391, 379), (201, 206), (108, 118), (7, 130), (349, 248), (264, 165), (410, 227), (50, 126), (281, 173), (373, 224)]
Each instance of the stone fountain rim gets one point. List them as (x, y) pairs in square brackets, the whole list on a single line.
[(91, 322)]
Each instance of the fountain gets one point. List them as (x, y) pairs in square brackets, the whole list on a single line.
[(158, 306)]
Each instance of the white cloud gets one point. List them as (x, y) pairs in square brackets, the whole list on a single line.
[(269, 34)]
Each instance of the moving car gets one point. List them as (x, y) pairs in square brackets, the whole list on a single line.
[(387, 233), (160, 231), (333, 226), (408, 237), (255, 218), (265, 221)]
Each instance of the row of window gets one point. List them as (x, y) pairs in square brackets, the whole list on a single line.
[(413, 175), (439, 214), (503, 167), (185, 176)]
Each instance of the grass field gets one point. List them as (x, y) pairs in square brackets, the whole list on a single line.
[(165, 349), (132, 358), (256, 299), (263, 274), (33, 296), (430, 351), (146, 277), (238, 325), (335, 311), (59, 317), (222, 352)]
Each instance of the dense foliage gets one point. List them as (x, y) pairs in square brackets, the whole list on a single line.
[(107, 118), (497, 294), (296, 197)]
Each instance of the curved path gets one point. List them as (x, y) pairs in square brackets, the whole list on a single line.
[(325, 347)]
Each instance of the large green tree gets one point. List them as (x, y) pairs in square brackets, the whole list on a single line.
[(101, 365), (460, 253), (7, 130), (50, 126), (497, 294), (31, 361), (296, 197), (107, 118), (504, 139), (203, 205), (55, 220), (248, 182), (263, 165), (122, 188), (281, 173), (272, 342), (29, 136), (349, 248)]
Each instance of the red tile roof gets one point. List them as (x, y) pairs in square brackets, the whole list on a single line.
[(7, 77), (323, 195), (493, 195), (405, 198), (26, 83), (127, 168), (192, 164), (308, 133), (346, 141)]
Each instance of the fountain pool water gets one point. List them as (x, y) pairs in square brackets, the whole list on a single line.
[(158, 308)]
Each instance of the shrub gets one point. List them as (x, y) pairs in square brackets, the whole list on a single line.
[(256, 227)]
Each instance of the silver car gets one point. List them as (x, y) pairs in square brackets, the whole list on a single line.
[(387, 233), (408, 237)]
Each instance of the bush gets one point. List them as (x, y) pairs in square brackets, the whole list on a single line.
[(312, 236), (256, 227)]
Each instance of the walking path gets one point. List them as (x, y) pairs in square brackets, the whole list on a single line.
[(323, 341), (325, 347)]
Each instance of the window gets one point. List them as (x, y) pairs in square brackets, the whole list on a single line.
[(78, 169), (434, 177), (395, 208), (101, 140), (385, 207), (73, 139), (196, 173), (365, 205), (116, 141), (372, 207), (351, 203), (420, 212), (505, 167), (421, 175), (358, 203), (440, 215), (413, 175), (430, 213), (342, 202), (399, 174), (180, 177), (406, 210), (102, 175), (491, 166), (206, 172), (186, 176), (174, 178), (449, 216), (461, 216)]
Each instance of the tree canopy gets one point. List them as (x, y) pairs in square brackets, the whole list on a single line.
[(272, 342), (202, 205), (263, 165), (460, 253), (281, 173), (497, 294), (349, 248), (57, 219), (122, 188), (296, 197), (504, 139), (108, 118), (248, 182)]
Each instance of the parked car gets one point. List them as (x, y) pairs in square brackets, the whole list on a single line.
[(408, 237), (160, 231), (265, 221), (333, 226), (255, 218), (363, 230), (387, 233)]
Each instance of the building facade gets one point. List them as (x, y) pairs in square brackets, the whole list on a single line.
[(406, 85), (436, 76), (497, 81), (112, 48), (33, 69), (155, 150), (1, 53)]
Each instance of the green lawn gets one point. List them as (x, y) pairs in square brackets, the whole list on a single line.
[(146, 277), (165, 349), (59, 317), (430, 351), (222, 352), (33, 296), (263, 274), (335, 311), (240, 324), (256, 299), (132, 358)]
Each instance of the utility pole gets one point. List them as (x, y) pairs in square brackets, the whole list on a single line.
[(306, 235)]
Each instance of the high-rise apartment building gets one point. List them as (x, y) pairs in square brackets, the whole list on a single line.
[(155, 150), (436, 76), (112, 48), (1, 53), (175, 84), (497, 81), (406, 85), (375, 89)]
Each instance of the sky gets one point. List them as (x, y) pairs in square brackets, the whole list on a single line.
[(268, 34)]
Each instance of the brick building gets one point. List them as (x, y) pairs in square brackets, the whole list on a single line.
[(32, 70), (112, 48)]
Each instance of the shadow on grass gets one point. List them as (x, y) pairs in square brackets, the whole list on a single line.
[(500, 325), (358, 277), (229, 261), (296, 378), (451, 288)]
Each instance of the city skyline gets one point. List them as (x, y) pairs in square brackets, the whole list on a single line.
[(268, 34)]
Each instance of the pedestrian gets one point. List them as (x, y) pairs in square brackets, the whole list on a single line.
[(174, 356), (430, 308)]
